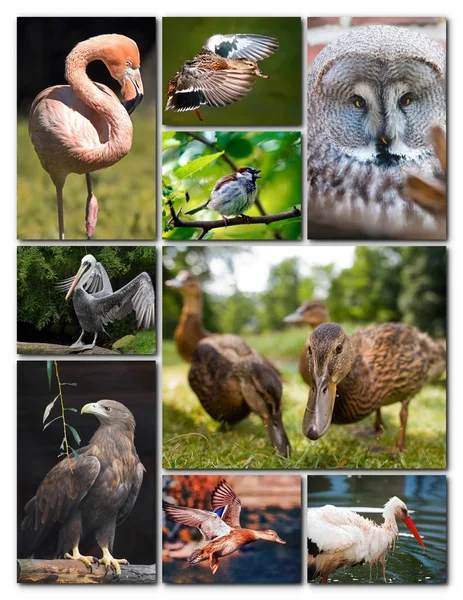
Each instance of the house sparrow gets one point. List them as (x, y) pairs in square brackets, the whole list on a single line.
[(233, 194)]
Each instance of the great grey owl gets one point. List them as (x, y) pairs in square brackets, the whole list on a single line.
[(374, 95)]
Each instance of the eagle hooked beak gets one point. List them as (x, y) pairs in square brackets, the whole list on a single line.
[(90, 409), (319, 409), (132, 89)]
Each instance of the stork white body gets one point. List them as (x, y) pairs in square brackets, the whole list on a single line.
[(339, 537)]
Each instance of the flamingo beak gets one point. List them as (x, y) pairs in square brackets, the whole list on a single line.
[(412, 527), (80, 272), (319, 409), (132, 90)]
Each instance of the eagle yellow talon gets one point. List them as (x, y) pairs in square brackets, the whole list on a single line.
[(76, 555), (110, 562)]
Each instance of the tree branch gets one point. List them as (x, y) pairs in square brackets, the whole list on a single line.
[(206, 226)]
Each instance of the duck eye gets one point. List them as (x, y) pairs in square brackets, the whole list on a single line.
[(339, 349), (405, 100), (359, 102)]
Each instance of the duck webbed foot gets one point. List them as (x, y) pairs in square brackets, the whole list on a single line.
[(213, 563)]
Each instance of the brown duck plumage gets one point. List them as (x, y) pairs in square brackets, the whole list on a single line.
[(230, 379), (222, 73), (378, 365), (314, 313)]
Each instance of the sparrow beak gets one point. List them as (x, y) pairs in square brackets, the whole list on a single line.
[(256, 175)]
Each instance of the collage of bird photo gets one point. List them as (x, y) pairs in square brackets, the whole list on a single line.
[(232, 278)]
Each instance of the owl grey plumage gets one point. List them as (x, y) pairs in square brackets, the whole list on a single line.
[(374, 95)]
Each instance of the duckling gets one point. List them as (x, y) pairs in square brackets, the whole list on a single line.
[(314, 313), (377, 366), (230, 379), (223, 72), (221, 528)]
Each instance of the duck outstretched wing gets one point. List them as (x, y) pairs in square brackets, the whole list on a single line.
[(226, 504), (209, 524), (242, 45)]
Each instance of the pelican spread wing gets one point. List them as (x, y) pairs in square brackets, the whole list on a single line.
[(138, 296)]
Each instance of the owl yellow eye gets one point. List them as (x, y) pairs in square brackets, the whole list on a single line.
[(359, 102), (405, 100)]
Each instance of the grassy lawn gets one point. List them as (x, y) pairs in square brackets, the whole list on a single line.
[(191, 439), (125, 192), (144, 342)]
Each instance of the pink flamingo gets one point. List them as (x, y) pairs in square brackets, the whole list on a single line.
[(82, 127)]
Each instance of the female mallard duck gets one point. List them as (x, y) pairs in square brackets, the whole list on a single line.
[(230, 379), (222, 73), (314, 313), (378, 365), (221, 528)]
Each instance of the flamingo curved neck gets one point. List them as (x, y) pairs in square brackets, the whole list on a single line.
[(105, 104)]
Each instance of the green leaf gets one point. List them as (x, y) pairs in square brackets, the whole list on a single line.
[(76, 456), (49, 372), (208, 235), (48, 408), (196, 165), (75, 435), (50, 422), (74, 384), (278, 224), (72, 409)]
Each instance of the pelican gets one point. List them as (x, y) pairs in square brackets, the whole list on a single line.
[(339, 537), (96, 304)]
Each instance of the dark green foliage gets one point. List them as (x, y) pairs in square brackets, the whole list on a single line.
[(43, 311)]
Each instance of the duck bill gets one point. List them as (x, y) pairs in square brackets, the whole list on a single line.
[(175, 284), (132, 90), (294, 317), (80, 272), (278, 435), (280, 541), (260, 73), (412, 528), (319, 409)]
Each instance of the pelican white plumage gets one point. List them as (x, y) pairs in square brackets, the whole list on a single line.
[(339, 537), (96, 304)]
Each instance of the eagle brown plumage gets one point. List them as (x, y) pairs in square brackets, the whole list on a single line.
[(90, 495)]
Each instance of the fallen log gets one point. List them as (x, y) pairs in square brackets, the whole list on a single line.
[(75, 572), (39, 348)]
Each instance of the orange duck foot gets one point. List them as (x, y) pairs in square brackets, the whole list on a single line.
[(198, 114)]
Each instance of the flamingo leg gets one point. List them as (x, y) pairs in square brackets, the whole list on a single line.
[(403, 425), (59, 200), (91, 209)]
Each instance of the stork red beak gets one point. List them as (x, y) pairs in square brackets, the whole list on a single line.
[(412, 527)]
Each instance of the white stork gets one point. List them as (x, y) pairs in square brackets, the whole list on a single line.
[(339, 537)]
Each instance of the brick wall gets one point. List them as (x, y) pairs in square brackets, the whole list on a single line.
[(323, 30)]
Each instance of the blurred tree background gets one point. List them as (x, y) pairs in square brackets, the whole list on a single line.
[(126, 191), (272, 101), (406, 284), (43, 313), (193, 166)]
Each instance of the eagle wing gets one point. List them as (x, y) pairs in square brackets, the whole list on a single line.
[(59, 496), (133, 494)]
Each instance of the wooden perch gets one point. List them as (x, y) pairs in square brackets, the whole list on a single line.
[(33, 348), (73, 571), (242, 220)]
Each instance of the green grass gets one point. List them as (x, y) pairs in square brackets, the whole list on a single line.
[(144, 342), (125, 192), (191, 439)]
